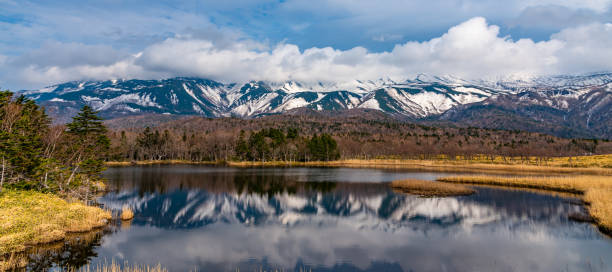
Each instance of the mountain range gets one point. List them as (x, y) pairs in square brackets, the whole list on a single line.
[(566, 106)]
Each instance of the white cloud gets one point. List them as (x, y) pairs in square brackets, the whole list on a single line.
[(472, 49)]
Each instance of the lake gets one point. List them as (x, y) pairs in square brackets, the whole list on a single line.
[(327, 219)]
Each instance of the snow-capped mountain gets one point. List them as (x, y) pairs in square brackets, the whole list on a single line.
[(579, 105), (193, 96)]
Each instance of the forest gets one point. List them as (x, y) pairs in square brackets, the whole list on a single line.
[(36, 155), (308, 137)]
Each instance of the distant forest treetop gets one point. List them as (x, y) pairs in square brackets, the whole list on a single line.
[(291, 137)]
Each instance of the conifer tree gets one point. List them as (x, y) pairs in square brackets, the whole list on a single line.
[(23, 123), (89, 143)]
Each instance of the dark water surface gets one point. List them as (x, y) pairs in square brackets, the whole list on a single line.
[(329, 219)]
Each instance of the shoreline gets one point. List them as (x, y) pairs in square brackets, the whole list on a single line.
[(556, 167), (594, 191), (30, 218)]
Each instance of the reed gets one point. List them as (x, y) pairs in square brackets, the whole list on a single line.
[(601, 207), (29, 218), (595, 190), (591, 165), (159, 162), (13, 261), (116, 267), (126, 213), (570, 184), (430, 188), (436, 165)]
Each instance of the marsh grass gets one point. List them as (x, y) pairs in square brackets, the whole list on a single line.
[(595, 190), (160, 162), (126, 213), (430, 188), (29, 218), (601, 207), (116, 267), (13, 261), (569, 184), (593, 165), (602, 167)]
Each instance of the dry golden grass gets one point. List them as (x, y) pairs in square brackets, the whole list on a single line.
[(115, 267), (126, 213), (596, 190), (591, 165), (30, 218), (436, 165), (571, 184), (13, 261), (430, 188), (157, 162), (601, 207), (21, 260), (596, 161)]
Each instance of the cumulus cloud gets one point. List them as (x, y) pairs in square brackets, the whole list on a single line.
[(473, 49)]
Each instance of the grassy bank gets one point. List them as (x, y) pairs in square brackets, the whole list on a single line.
[(440, 165), (159, 162), (116, 267), (106, 267), (589, 165), (430, 188), (595, 190), (29, 218)]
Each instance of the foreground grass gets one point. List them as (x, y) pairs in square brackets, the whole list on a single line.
[(596, 190), (115, 267), (430, 188), (112, 267), (29, 218)]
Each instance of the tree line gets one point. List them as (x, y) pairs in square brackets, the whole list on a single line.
[(268, 144), (36, 155), (307, 138)]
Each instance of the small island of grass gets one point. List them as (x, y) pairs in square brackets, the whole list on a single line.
[(430, 188)]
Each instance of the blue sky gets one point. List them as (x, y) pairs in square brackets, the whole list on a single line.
[(47, 42)]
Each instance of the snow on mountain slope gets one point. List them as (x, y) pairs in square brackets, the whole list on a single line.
[(213, 99), (421, 97)]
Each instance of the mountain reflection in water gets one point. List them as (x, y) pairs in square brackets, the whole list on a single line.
[(324, 219)]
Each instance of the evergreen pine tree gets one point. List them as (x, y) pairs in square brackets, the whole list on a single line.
[(89, 142)]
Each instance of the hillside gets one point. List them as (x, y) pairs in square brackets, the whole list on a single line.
[(565, 106)]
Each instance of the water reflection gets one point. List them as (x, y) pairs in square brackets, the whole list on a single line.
[(219, 219), (76, 250)]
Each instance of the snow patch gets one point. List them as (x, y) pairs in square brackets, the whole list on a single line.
[(190, 92), (197, 108), (370, 104)]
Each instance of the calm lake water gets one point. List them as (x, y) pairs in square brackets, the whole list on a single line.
[(328, 219)]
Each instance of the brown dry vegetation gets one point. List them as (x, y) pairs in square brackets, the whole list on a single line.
[(430, 188), (202, 139), (596, 190), (29, 218), (157, 162), (115, 267), (126, 214), (593, 165), (450, 165)]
